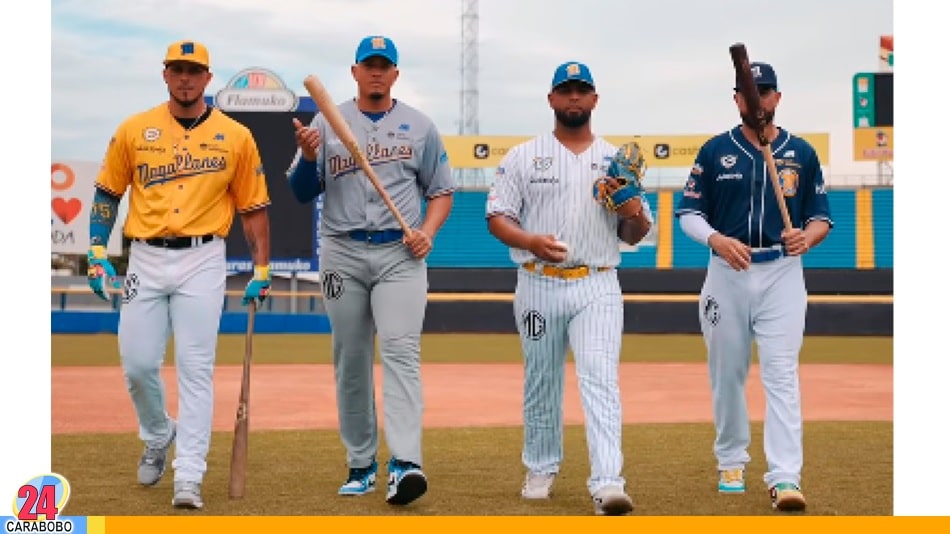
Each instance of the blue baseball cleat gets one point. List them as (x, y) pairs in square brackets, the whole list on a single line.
[(406, 482), (362, 480)]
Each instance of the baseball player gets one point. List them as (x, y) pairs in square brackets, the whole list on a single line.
[(187, 167), (374, 277), (754, 288), (568, 294)]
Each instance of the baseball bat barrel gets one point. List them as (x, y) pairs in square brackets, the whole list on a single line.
[(750, 93), (328, 108), (238, 475), (747, 88)]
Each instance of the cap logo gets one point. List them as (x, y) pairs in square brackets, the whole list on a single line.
[(573, 69), (379, 43), (756, 71), (187, 48)]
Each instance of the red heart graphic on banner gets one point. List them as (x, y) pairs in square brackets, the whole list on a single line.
[(66, 209)]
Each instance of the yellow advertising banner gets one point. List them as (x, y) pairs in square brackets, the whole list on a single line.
[(874, 144), (483, 151), (479, 151)]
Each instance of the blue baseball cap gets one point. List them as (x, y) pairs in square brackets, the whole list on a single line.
[(762, 74), (572, 70), (377, 45)]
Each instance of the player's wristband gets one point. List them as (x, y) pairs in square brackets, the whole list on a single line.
[(97, 252), (262, 272), (102, 217)]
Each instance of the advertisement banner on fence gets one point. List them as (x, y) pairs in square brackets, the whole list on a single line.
[(486, 151), (72, 184), (874, 144)]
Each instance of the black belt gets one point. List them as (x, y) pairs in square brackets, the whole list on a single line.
[(177, 242), (377, 237)]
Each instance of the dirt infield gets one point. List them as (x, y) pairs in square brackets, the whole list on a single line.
[(94, 399)]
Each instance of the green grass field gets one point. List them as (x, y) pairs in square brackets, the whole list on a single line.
[(102, 349), (477, 471)]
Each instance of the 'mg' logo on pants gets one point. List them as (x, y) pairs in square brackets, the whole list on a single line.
[(532, 324)]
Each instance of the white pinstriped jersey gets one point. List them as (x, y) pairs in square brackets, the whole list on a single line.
[(548, 189)]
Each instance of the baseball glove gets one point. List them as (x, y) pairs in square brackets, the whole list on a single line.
[(627, 168)]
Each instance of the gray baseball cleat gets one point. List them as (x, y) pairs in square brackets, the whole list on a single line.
[(152, 462), (187, 495)]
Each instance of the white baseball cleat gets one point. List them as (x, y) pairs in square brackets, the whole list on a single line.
[(188, 495), (537, 485)]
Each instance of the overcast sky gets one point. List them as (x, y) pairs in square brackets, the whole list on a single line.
[(660, 67)]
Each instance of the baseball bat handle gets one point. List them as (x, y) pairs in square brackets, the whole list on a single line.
[(776, 185)]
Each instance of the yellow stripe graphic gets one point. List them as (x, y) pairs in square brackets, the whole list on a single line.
[(96, 524), (864, 229), (640, 297), (664, 236), (660, 297)]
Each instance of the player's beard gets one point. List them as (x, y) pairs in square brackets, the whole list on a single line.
[(572, 119), (187, 103), (376, 96), (751, 121)]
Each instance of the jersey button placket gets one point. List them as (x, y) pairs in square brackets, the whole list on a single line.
[(176, 192), (179, 189)]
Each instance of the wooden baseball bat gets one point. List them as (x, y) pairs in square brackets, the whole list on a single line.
[(749, 91), (327, 107), (241, 422)]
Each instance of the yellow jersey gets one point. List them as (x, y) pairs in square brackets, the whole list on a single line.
[(184, 182)]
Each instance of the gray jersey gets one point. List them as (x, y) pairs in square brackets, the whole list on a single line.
[(548, 189), (407, 153)]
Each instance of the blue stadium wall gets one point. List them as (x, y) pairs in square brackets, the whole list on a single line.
[(857, 258), (464, 241)]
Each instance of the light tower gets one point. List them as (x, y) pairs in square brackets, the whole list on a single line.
[(468, 93)]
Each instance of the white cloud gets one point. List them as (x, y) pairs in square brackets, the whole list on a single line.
[(661, 68)]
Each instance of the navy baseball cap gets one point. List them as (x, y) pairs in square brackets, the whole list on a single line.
[(763, 74), (572, 70), (377, 45)]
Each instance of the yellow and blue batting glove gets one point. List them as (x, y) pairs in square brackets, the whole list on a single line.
[(259, 285), (101, 272)]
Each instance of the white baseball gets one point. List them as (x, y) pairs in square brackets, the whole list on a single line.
[(563, 246)]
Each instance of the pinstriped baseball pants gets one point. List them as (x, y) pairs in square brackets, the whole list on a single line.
[(586, 316)]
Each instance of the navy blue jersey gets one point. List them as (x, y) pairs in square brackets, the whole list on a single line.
[(729, 186)]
